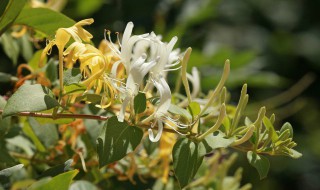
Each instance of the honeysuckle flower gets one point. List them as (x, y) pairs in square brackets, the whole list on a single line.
[(93, 65), (63, 35), (194, 78), (73, 52), (162, 109), (136, 74), (127, 43), (163, 50)]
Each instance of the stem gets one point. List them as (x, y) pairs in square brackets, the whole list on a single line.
[(26, 157), (61, 70), (78, 116)]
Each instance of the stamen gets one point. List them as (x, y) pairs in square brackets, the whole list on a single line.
[(118, 40), (174, 69), (112, 46), (174, 129), (173, 64)]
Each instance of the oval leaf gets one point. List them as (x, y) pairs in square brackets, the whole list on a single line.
[(140, 102), (5, 123), (187, 158), (9, 171), (259, 162), (267, 123), (72, 76), (31, 98), (58, 169), (287, 126), (212, 142), (12, 10), (44, 20), (61, 181), (116, 141)]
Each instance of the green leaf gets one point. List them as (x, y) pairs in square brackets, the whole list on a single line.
[(149, 146), (58, 169), (31, 98), (5, 123), (5, 174), (82, 185), (52, 70), (26, 46), (44, 20), (226, 123), (5, 158), (9, 171), (89, 98), (212, 142), (287, 126), (267, 123), (180, 111), (10, 47), (187, 158), (75, 88), (194, 108), (140, 103), (61, 181), (295, 154), (34, 61), (11, 12), (47, 133), (3, 6), (27, 129), (117, 139), (259, 162), (72, 76)]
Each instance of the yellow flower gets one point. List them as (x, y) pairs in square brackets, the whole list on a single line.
[(62, 37), (93, 66)]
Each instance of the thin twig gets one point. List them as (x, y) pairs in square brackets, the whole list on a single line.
[(77, 116)]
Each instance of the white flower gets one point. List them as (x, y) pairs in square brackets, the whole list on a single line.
[(163, 50), (137, 72), (194, 78), (162, 109)]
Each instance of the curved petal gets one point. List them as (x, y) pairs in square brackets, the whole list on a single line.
[(157, 137), (165, 96)]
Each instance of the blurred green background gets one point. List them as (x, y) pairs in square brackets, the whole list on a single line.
[(273, 46)]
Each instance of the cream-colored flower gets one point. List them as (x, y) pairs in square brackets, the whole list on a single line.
[(162, 109)]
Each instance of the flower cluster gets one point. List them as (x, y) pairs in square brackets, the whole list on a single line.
[(120, 70)]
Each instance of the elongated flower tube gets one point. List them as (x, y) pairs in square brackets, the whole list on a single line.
[(165, 101), (194, 78)]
